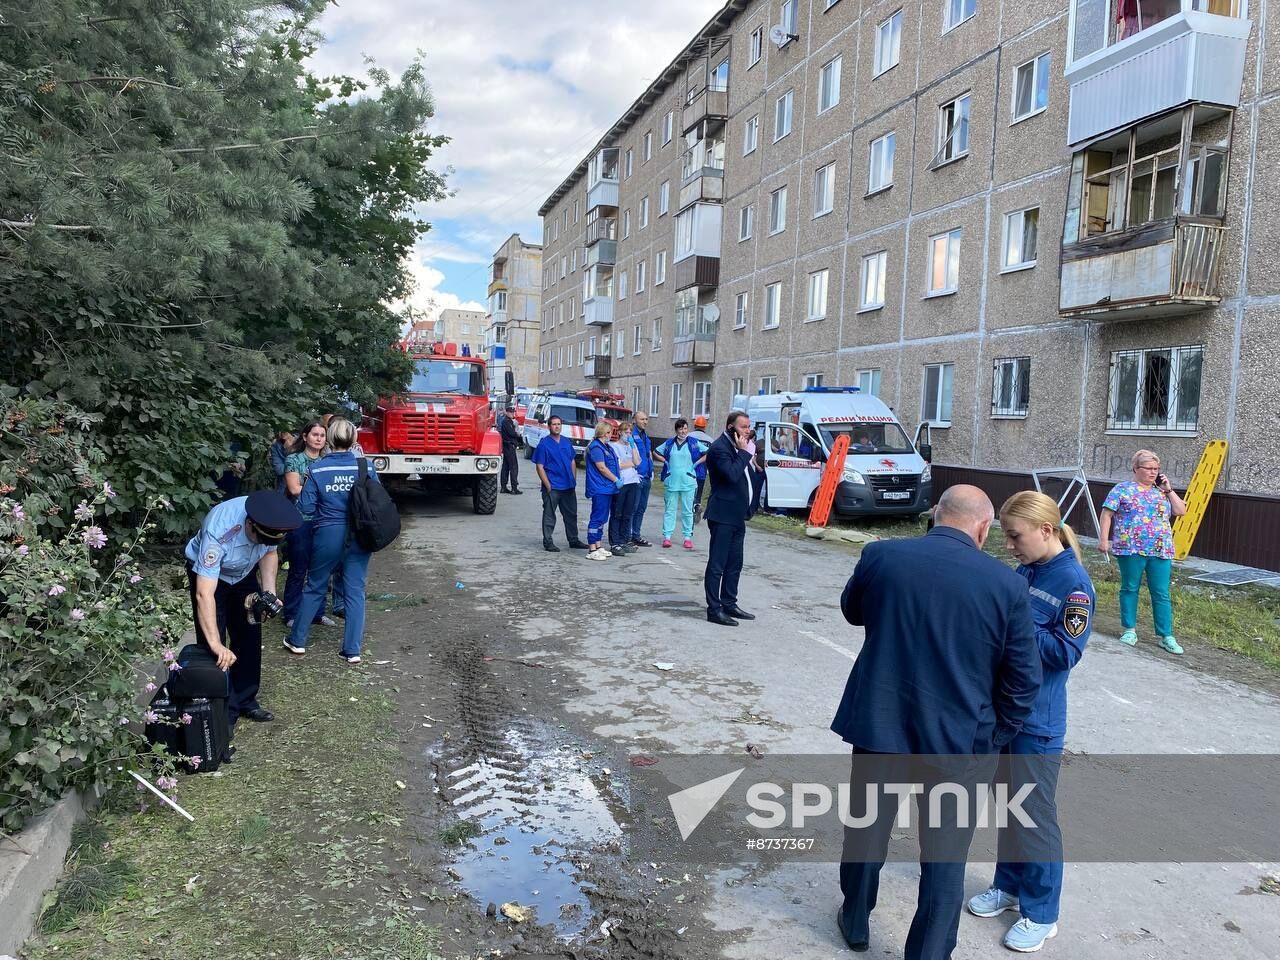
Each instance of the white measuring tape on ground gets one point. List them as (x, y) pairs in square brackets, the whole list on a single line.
[(830, 644), (162, 796)]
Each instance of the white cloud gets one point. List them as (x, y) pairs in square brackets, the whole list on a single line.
[(427, 300), (524, 89)]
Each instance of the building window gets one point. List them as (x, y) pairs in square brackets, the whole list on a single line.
[(648, 146), (1011, 387), (789, 20), (778, 211), (635, 341), (573, 261), (956, 12), (818, 294), (746, 220), (768, 385), (571, 306), (654, 394), (657, 334), (635, 398), (591, 346), (564, 267), (644, 212), (782, 115), (664, 198), (824, 190), (953, 131), (1156, 390), (718, 82), (626, 224), (741, 305), (575, 210), (668, 125), (869, 381), (677, 394), (829, 86), (631, 166), (641, 270), (880, 175), (1031, 88), (685, 232), (812, 380), (873, 279), (736, 388), (944, 263), (702, 398), (888, 44), (622, 345), (935, 403), (756, 49), (750, 135), (660, 268), (622, 285), (772, 305), (1021, 235)]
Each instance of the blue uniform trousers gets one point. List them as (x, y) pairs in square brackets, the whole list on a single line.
[(624, 505), (237, 634), (1038, 886), (329, 552), (598, 525), (637, 510), (299, 541)]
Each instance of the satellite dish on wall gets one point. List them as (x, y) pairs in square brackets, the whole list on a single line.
[(778, 35), (711, 313)]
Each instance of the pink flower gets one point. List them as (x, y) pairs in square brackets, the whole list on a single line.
[(18, 512), (169, 655), (167, 783), (106, 488), (124, 721), (151, 716), (195, 762), (186, 719), (57, 590), (94, 537), (77, 614), (23, 550), (151, 688), (83, 512), (136, 578)]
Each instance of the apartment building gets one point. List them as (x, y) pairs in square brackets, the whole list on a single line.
[(515, 310), (463, 327), (1040, 232)]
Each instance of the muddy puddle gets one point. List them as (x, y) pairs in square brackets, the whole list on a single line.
[(544, 809)]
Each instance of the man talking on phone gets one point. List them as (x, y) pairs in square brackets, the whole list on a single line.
[(728, 508)]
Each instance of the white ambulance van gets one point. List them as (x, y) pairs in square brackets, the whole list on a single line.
[(578, 415), (884, 474)]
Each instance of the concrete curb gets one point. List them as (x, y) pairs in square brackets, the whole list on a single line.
[(30, 865)]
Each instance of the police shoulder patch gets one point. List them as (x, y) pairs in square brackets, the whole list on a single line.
[(211, 557), (1075, 619)]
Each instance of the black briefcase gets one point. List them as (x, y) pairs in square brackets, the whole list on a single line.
[(164, 730), (207, 736), (200, 675)]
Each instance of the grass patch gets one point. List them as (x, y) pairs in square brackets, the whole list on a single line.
[(456, 834), (291, 855)]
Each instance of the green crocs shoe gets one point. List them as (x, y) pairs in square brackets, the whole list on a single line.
[(1130, 637), (1171, 645)]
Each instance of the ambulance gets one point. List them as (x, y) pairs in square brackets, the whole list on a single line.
[(884, 474), (577, 415)]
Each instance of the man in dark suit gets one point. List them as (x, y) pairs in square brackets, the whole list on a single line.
[(949, 666), (728, 507)]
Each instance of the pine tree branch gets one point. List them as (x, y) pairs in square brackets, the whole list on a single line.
[(255, 146), (28, 224), (127, 81)]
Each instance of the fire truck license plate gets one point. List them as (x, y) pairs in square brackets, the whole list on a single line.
[(433, 468), (896, 495)]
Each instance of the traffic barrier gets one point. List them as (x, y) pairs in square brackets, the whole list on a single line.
[(1199, 490), (821, 512)]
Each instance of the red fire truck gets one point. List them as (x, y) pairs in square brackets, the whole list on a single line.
[(609, 408), (440, 431)]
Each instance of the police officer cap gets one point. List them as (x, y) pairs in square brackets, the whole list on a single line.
[(272, 511)]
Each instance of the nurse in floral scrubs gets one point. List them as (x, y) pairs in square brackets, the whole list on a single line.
[(1135, 528)]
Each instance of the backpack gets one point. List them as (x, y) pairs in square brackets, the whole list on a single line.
[(372, 517)]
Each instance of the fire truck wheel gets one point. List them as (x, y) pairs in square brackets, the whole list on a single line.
[(484, 495)]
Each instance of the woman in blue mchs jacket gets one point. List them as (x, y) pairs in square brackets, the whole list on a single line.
[(325, 494), (1062, 602)]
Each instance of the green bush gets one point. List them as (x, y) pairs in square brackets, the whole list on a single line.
[(76, 614)]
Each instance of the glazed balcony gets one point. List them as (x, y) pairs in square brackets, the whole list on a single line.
[(694, 350), (598, 367)]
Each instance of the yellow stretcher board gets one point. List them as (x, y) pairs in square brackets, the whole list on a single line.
[(1199, 490)]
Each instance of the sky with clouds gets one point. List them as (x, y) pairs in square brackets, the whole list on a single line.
[(524, 88)]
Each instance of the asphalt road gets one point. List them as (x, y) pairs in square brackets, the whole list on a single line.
[(608, 623)]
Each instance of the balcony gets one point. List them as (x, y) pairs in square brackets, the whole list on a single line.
[(709, 104), (603, 251), (601, 228), (598, 311), (1170, 53), (598, 367), (602, 179), (695, 271), (1164, 268), (694, 350), (706, 185)]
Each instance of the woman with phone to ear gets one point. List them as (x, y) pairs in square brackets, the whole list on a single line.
[(1135, 528)]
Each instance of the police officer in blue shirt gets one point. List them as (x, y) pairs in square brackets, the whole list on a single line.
[(228, 604)]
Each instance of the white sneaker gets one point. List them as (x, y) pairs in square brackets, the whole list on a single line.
[(328, 622), (354, 659), (992, 903), (598, 554), (292, 649)]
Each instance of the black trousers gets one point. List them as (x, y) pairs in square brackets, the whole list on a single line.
[(567, 502), (943, 852), (510, 467), (235, 632), (724, 565)]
